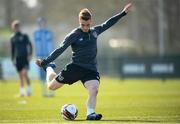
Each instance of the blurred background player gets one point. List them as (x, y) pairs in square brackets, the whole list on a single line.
[(21, 53), (43, 39)]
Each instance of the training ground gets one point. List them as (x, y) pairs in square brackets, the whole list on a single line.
[(120, 102)]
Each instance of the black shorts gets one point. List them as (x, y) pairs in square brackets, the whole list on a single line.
[(73, 73), (21, 63)]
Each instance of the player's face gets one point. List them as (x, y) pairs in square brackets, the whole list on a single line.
[(16, 28), (85, 25)]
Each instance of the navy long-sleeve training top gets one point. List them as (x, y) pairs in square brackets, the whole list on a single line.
[(84, 44), (20, 45)]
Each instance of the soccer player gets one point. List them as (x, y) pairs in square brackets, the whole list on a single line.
[(21, 53), (83, 67), (43, 41)]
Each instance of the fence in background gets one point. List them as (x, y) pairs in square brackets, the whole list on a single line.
[(126, 67), (150, 67)]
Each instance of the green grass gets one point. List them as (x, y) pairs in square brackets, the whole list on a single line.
[(5, 33), (127, 101)]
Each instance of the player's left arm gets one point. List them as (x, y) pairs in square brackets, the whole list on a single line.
[(29, 46), (113, 20)]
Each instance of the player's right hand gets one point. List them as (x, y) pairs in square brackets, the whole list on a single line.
[(38, 62)]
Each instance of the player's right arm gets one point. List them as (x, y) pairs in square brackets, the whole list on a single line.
[(12, 51), (63, 46)]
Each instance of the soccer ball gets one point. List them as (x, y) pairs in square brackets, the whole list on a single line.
[(69, 111)]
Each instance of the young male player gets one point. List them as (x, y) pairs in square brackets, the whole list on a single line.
[(83, 41), (21, 53)]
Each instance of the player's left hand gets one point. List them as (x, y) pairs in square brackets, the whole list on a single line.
[(127, 7)]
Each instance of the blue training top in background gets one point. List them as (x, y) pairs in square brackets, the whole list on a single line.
[(43, 39)]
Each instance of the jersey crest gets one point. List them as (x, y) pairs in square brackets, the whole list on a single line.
[(95, 34)]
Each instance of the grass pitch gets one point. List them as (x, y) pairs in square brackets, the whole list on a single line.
[(120, 101)]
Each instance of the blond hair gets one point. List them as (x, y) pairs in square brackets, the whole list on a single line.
[(15, 23)]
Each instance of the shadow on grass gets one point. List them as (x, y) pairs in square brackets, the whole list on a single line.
[(118, 120)]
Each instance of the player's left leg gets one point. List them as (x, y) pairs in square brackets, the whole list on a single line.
[(44, 91), (22, 89), (26, 77), (92, 87), (42, 79)]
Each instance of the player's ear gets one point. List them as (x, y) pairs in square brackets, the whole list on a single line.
[(80, 20)]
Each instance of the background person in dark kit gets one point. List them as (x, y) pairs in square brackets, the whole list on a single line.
[(44, 45), (21, 53)]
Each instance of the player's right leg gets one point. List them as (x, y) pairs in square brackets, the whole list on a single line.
[(52, 84), (50, 78), (19, 68)]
